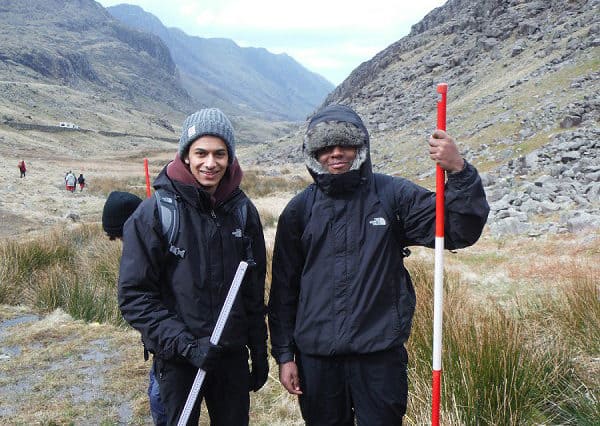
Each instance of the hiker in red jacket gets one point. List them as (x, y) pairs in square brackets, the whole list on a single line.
[(22, 168)]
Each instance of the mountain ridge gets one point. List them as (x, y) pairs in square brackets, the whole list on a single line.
[(223, 74)]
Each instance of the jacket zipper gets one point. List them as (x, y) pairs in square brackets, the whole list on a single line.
[(213, 305)]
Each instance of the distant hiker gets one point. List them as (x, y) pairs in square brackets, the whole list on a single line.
[(81, 181), (341, 302), (117, 209), (70, 181), (173, 293), (22, 168)]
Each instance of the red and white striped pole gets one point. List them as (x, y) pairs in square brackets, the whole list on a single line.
[(438, 279), (148, 193)]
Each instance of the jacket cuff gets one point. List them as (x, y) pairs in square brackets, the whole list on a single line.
[(283, 358), (466, 175)]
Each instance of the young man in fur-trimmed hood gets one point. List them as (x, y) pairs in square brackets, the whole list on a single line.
[(341, 302)]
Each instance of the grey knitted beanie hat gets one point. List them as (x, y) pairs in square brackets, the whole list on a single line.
[(209, 121)]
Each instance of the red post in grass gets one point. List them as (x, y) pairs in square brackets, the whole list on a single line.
[(148, 194), (438, 283)]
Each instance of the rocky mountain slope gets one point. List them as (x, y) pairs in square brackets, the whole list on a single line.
[(240, 80), (78, 44), (523, 104), (71, 61)]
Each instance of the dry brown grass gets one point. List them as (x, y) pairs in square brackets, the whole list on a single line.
[(105, 185), (257, 184)]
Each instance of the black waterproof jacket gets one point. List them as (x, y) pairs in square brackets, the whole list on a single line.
[(173, 300), (339, 284)]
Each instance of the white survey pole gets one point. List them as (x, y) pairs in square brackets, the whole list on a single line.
[(214, 339)]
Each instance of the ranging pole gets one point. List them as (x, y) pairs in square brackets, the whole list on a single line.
[(438, 280), (147, 178), (214, 339)]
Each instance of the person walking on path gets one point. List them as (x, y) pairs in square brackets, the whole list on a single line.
[(117, 209), (22, 168), (341, 301), (81, 181), (70, 181), (173, 294)]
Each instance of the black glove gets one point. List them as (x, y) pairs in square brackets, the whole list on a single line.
[(202, 354), (260, 368)]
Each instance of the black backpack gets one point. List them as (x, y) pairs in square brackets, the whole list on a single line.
[(383, 191)]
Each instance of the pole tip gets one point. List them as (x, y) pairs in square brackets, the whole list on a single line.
[(442, 88)]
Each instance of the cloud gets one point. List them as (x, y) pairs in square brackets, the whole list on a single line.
[(307, 15)]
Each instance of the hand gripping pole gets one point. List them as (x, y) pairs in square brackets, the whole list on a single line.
[(214, 339)]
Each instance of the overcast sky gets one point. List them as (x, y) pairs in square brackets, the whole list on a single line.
[(329, 37)]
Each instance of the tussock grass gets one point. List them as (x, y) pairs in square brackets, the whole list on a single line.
[(268, 218), (20, 263), (572, 313), (499, 368), (75, 270)]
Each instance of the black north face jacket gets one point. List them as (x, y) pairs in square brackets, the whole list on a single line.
[(339, 285), (172, 300)]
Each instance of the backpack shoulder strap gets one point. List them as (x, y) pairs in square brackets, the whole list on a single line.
[(305, 201), (241, 216), (384, 189), (168, 212)]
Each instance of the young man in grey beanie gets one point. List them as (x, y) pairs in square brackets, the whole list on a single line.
[(173, 295), (341, 302)]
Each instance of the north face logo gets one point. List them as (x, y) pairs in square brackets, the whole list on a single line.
[(237, 233), (378, 221)]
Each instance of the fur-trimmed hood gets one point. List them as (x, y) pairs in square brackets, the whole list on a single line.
[(336, 125)]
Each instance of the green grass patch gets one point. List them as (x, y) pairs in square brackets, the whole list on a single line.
[(574, 313)]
